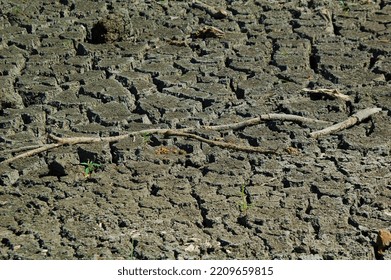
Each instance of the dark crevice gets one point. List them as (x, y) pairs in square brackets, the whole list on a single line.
[(206, 223), (316, 226), (273, 126), (160, 85), (373, 60), (239, 93), (336, 29), (206, 103), (234, 89), (116, 154), (353, 223), (314, 189), (328, 76), (243, 221), (314, 59), (370, 129), (383, 4), (249, 199), (253, 142), (155, 190), (176, 254), (309, 207), (295, 13), (6, 242), (56, 170), (98, 33)]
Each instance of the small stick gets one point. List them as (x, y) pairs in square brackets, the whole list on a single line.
[(33, 152), (20, 149), (222, 144), (334, 93), (262, 118), (352, 120)]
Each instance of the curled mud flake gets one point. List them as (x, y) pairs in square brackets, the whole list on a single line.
[(327, 16), (214, 12), (221, 13), (383, 241), (209, 32), (292, 151)]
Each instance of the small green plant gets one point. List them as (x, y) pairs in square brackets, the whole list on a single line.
[(243, 204), (132, 257), (146, 138), (344, 6), (89, 167)]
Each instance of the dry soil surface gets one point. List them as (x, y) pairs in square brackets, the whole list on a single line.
[(107, 68)]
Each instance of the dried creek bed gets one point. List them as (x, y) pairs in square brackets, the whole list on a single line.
[(100, 68)]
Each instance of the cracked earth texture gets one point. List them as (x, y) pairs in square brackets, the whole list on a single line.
[(100, 68)]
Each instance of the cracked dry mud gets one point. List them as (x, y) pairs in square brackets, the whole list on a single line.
[(100, 68)]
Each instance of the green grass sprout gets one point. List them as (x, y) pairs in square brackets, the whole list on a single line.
[(146, 138), (243, 204), (89, 167)]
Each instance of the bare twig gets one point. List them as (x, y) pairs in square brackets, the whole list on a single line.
[(262, 118), (30, 153), (24, 148), (222, 144), (183, 132), (333, 93), (352, 120)]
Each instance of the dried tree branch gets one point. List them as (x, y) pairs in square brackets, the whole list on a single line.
[(189, 132), (183, 132), (352, 120)]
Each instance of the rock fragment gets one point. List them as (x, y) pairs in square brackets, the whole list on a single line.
[(383, 241)]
